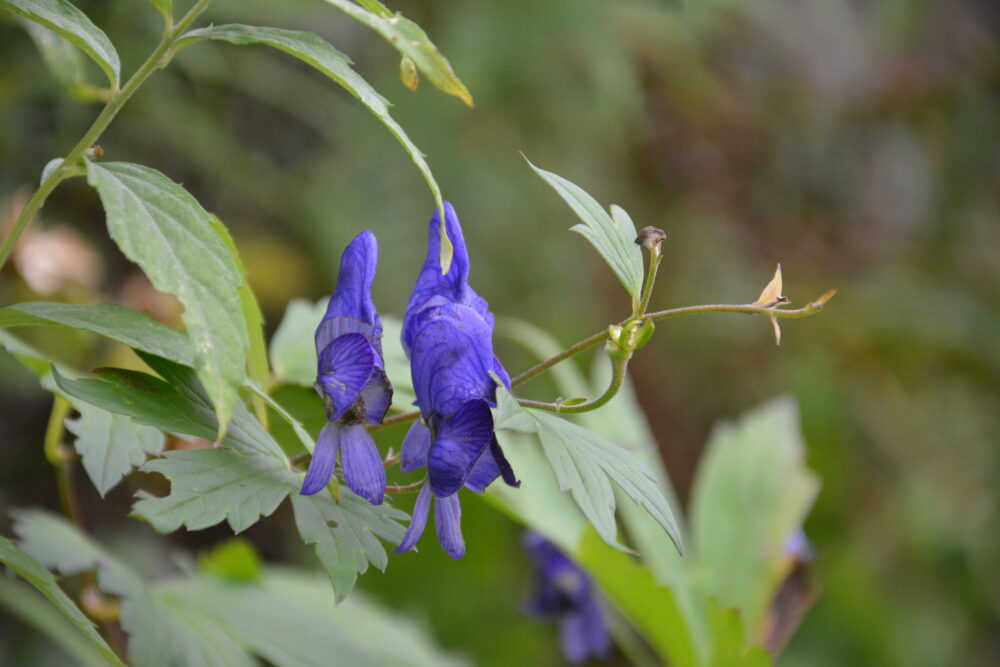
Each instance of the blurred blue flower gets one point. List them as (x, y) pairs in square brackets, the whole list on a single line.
[(351, 378), (566, 594), (448, 335)]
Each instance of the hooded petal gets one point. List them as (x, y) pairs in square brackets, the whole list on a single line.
[(415, 446), (364, 473), (345, 365), (418, 521), (448, 522), (352, 296), (460, 440), (324, 458), (451, 360)]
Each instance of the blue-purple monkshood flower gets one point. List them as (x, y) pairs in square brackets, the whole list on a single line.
[(566, 595), (448, 335), (351, 378)]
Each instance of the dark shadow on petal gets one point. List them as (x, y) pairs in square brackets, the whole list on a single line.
[(460, 440)]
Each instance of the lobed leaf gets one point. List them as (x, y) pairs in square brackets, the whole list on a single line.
[(346, 534), (209, 486), (585, 464), (164, 230), (35, 574), (111, 445), (614, 238), (64, 18)]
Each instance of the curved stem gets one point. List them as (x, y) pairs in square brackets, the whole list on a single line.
[(158, 58), (655, 255), (619, 370), (392, 421)]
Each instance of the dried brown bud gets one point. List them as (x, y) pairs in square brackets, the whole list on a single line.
[(650, 237), (94, 152)]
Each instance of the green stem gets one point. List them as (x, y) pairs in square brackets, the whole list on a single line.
[(655, 255), (118, 99), (807, 310), (541, 367), (619, 371)]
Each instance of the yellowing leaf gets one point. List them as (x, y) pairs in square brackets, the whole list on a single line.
[(772, 293)]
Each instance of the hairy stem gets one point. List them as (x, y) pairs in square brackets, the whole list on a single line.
[(69, 167)]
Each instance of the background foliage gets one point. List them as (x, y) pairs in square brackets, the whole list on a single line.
[(855, 142)]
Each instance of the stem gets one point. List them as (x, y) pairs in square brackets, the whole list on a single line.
[(405, 488), (619, 370), (392, 421), (807, 310), (539, 368), (655, 255), (115, 103)]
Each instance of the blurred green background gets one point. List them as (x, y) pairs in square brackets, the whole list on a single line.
[(857, 142)]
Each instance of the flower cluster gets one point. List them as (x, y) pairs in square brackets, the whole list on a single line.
[(351, 378), (566, 594), (448, 336)]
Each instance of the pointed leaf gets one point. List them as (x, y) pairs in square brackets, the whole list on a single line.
[(614, 238), (585, 464), (161, 227), (65, 19), (124, 325), (35, 574), (411, 41), (771, 295), (313, 50), (212, 485), (346, 534)]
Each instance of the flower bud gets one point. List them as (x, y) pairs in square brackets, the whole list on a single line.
[(650, 237)]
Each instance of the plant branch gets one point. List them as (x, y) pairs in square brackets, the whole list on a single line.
[(69, 166), (655, 255), (619, 370)]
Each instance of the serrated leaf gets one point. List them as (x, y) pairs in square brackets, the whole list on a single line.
[(212, 485), (313, 50), (35, 574), (257, 367), (111, 445), (585, 464), (346, 534), (124, 325), (293, 353), (65, 19), (164, 230), (411, 41), (751, 492), (614, 238), (175, 404)]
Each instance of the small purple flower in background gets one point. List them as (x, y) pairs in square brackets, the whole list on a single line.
[(351, 378), (448, 335), (566, 594)]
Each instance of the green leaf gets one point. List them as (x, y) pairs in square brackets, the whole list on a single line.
[(313, 50), (346, 534), (614, 238), (212, 485), (111, 445), (159, 636), (165, 7), (233, 560), (23, 602), (585, 464), (124, 325), (653, 608), (300, 431), (752, 491), (175, 404), (257, 369), (71, 23), (293, 353), (62, 59), (161, 227), (411, 41), (35, 574), (288, 618)]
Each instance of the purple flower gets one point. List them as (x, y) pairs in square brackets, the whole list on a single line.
[(448, 335), (566, 594), (351, 378)]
